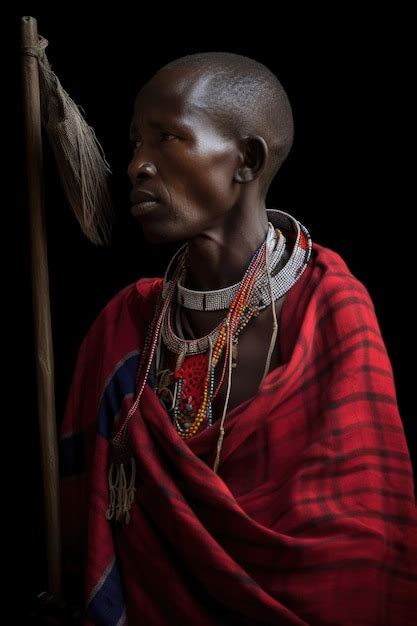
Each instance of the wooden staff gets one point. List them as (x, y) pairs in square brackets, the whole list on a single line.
[(41, 302)]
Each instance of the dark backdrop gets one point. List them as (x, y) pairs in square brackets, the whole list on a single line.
[(345, 179)]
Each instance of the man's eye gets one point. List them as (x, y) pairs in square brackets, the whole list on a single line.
[(136, 143), (167, 137)]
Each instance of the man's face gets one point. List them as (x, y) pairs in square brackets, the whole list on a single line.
[(181, 157)]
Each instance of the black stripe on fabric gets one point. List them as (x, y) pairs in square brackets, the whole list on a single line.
[(335, 497), (271, 391), (365, 341), (335, 565), (358, 424), (370, 396), (296, 430), (376, 370), (346, 302), (360, 468), (360, 513), (325, 298), (354, 280), (329, 366), (343, 458), (405, 497), (271, 545)]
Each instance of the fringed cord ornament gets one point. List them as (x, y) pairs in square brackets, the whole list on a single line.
[(121, 495)]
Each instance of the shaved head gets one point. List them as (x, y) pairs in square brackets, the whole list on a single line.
[(245, 98), (209, 132)]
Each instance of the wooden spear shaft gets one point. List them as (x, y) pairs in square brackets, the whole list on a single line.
[(41, 302)]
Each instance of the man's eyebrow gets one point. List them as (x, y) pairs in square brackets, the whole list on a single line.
[(161, 126)]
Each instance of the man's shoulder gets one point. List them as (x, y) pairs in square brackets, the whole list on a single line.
[(329, 259), (340, 295), (333, 271), (139, 293), (127, 311)]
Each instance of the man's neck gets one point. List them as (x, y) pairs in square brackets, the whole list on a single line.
[(219, 257)]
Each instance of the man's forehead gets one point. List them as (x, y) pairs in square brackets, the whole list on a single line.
[(179, 94)]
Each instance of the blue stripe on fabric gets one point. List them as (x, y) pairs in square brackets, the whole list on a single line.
[(120, 385), (107, 605)]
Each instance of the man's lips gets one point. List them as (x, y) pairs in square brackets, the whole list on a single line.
[(143, 201), (138, 196)]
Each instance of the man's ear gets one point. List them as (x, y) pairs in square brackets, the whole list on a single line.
[(254, 154)]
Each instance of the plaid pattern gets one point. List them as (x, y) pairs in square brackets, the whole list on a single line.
[(311, 518)]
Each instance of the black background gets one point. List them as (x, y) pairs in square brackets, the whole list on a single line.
[(346, 179)]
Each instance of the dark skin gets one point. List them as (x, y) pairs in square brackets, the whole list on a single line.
[(208, 189)]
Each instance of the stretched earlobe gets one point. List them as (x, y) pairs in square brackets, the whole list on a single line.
[(244, 175)]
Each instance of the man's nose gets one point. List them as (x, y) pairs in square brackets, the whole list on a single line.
[(138, 168)]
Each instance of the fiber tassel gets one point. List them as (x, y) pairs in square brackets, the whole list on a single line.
[(80, 159)]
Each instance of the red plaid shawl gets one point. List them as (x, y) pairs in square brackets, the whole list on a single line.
[(311, 518)]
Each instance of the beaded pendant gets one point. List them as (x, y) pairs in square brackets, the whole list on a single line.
[(192, 395)]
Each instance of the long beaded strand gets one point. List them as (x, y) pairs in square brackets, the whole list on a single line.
[(229, 382), (225, 338), (121, 489)]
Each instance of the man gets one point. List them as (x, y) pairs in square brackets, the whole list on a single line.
[(232, 451)]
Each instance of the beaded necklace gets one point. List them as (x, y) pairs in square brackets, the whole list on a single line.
[(190, 412), (197, 371)]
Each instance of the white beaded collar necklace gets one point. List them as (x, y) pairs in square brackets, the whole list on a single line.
[(282, 280)]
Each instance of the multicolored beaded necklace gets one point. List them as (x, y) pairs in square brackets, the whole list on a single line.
[(194, 374)]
